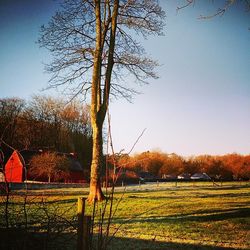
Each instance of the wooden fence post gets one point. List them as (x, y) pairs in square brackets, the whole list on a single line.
[(86, 232), (83, 229)]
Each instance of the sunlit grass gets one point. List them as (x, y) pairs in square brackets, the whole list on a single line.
[(199, 215), (163, 216)]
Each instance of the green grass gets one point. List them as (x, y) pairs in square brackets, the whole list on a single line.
[(197, 216), (188, 216)]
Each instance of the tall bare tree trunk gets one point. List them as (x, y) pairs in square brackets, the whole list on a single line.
[(95, 192), (99, 101), (93, 63), (96, 165)]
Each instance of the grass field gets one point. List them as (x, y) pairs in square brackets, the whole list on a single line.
[(189, 216)]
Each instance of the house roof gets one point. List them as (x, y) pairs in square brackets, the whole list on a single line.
[(27, 154), (202, 176), (75, 165)]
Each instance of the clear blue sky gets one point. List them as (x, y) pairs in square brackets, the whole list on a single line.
[(199, 105)]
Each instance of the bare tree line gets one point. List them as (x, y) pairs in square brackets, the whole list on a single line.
[(221, 167), (47, 123)]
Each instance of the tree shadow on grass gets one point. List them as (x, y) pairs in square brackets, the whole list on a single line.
[(199, 216), (210, 216), (198, 194), (238, 187), (14, 239), (230, 195), (219, 215), (20, 239), (140, 244)]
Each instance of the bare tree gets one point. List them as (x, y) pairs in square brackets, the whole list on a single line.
[(93, 48), (220, 11), (50, 165), (10, 110)]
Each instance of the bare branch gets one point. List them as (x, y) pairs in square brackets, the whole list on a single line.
[(188, 3), (70, 36), (137, 141), (219, 12)]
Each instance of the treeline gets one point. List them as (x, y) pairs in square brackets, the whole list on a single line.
[(53, 124), (47, 123), (226, 167)]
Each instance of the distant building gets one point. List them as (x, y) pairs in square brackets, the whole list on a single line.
[(200, 176), (184, 176), (16, 168), (169, 177)]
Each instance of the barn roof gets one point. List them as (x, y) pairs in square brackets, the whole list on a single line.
[(26, 155)]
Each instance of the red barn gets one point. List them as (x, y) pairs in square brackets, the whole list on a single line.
[(15, 168)]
